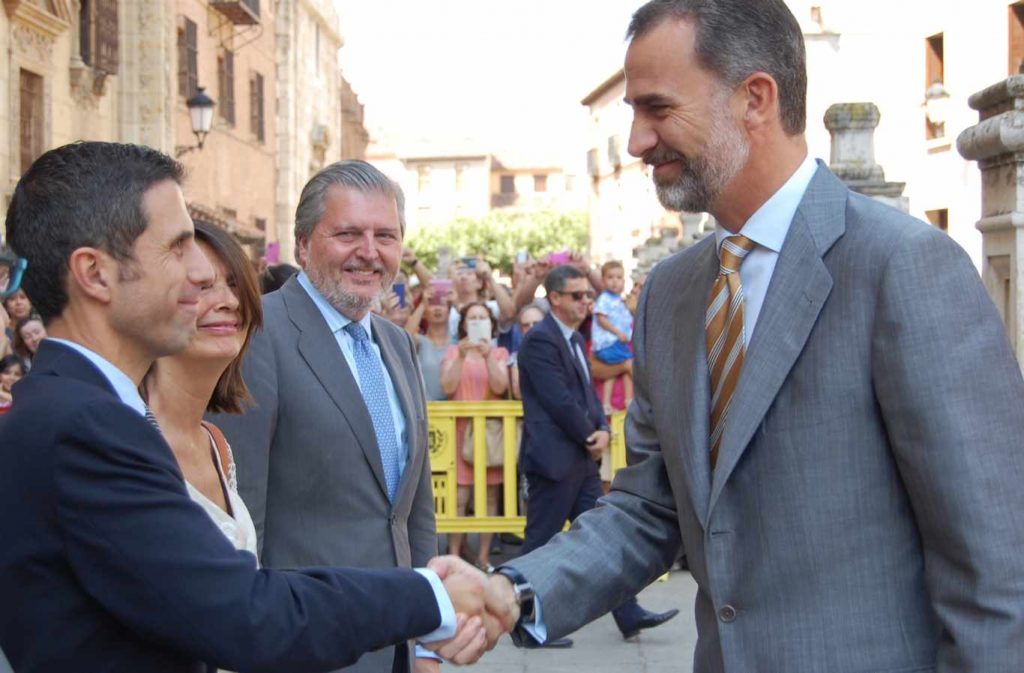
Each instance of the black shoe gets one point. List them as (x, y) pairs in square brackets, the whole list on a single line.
[(644, 619), (561, 643)]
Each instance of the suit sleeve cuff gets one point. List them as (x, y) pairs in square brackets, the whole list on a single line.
[(444, 605)]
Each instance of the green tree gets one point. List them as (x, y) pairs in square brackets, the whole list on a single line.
[(500, 235)]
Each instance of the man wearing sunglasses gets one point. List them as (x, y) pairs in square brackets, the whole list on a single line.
[(564, 429)]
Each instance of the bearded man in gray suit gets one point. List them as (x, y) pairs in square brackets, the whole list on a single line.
[(332, 455), (828, 419)]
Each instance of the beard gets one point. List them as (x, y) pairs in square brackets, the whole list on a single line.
[(347, 303), (703, 177)]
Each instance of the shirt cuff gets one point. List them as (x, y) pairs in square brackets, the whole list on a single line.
[(424, 653), (444, 604), (537, 628)]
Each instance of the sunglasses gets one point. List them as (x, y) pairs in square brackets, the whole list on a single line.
[(578, 295)]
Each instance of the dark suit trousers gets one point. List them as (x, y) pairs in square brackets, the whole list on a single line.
[(551, 503)]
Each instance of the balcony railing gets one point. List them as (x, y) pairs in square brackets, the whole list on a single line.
[(239, 12)]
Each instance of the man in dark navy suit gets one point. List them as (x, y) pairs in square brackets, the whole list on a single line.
[(106, 563), (565, 431)]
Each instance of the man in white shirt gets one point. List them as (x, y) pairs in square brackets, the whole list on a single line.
[(828, 415)]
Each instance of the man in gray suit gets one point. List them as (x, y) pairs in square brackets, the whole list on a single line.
[(332, 456), (828, 419)]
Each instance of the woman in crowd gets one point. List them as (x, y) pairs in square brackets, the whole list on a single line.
[(28, 332), (528, 317), (11, 371), (6, 334), (206, 377), (18, 306), (432, 346), (474, 371)]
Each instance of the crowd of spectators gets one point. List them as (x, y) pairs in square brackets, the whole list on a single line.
[(467, 324)]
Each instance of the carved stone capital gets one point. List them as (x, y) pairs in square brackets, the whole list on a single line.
[(39, 19)]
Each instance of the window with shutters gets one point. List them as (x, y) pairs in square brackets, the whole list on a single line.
[(256, 119), (935, 73), (31, 118), (508, 184), (188, 58), (98, 34), (226, 86), (938, 218)]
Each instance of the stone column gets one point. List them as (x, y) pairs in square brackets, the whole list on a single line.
[(852, 126), (997, 144), (148, 85)]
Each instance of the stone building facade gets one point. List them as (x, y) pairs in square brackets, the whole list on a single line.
[(53, 91), (355, 139), (309, 121), (122, 70), (229, 49)]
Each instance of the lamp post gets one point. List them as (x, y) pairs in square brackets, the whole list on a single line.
[(200, 113)]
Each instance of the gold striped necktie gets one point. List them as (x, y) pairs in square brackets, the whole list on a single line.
[(723, 331)]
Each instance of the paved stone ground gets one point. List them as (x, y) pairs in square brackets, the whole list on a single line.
[(599, 647)]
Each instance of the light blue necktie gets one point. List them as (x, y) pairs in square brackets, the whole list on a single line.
[(375, 394)]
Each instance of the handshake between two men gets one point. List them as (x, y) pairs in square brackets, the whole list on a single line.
[(485, 606)]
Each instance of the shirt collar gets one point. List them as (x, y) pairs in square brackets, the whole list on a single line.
[(769, 225), (336, 320), (119, 381)]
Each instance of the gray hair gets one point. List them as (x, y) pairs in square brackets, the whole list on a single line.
[(736, 38), (355, 174)]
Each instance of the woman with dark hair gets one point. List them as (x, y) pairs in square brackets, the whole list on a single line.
[(28, 332), (474, 370), (206, 377)]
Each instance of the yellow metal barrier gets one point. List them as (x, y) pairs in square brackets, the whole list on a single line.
[(443, 443)]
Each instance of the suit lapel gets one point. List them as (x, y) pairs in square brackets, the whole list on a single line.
[(319, 348), (799, 287), (687, 363), (393, 364)]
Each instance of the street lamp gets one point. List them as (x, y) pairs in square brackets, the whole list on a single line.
[(200, 113)]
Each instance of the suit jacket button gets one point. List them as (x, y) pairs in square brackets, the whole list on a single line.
[(727, 614)]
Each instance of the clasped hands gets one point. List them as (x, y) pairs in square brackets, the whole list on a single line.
[(484, 605)]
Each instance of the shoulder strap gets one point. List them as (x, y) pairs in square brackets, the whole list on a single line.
[(222, 446)]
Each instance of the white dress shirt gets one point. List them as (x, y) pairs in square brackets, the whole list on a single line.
[(767, 227)]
